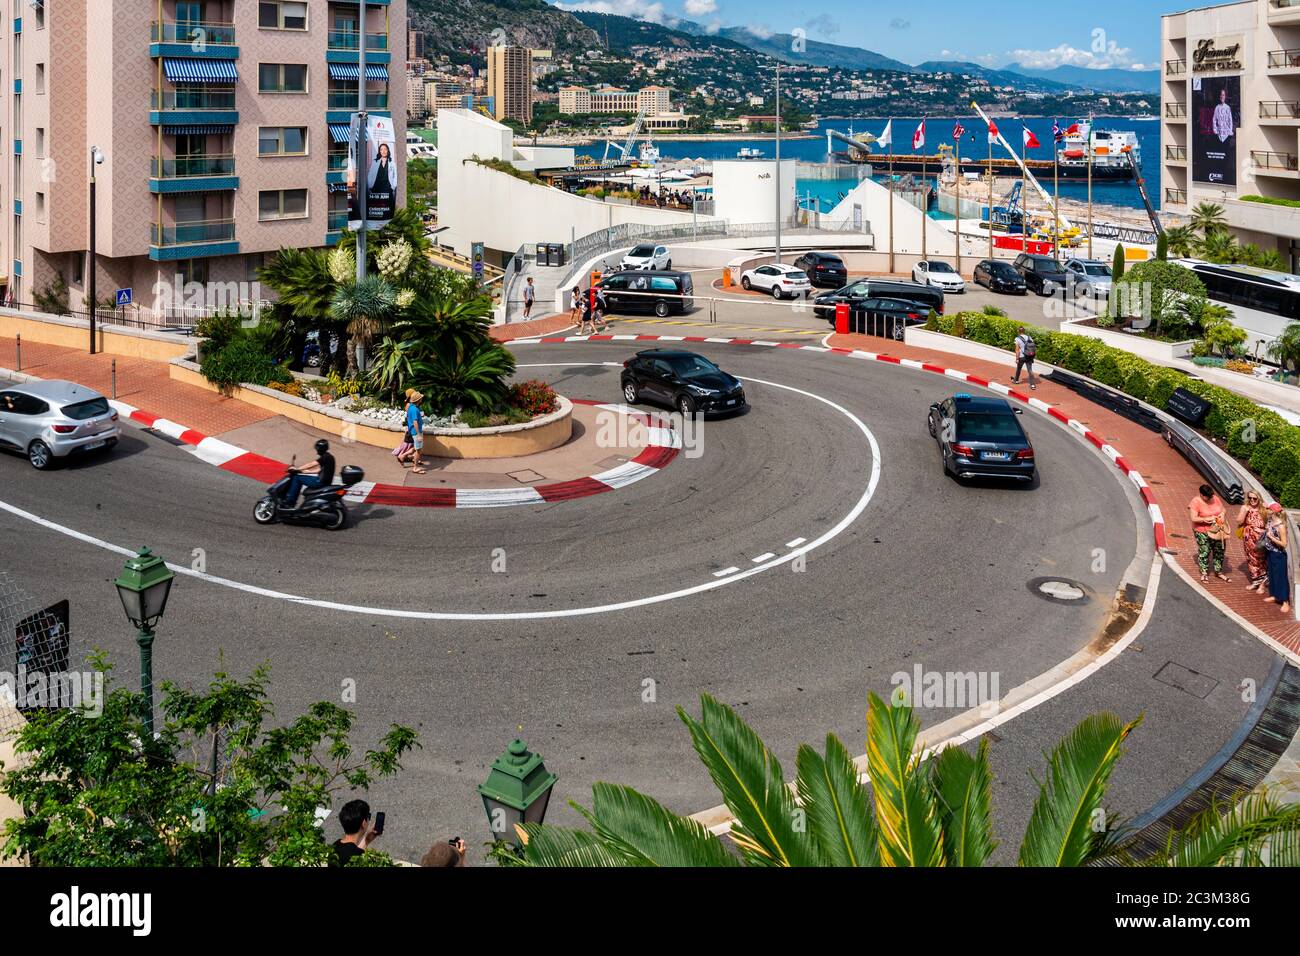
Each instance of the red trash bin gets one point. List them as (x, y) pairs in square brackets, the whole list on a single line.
[(841, 317)]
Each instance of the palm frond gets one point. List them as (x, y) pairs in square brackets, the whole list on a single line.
[(1256, 830), (905, 812), (1064, 827), (551, 846), (964, 786), (647, 834), (837, 805), (749, 777)]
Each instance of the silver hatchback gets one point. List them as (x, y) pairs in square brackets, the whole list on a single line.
[(49, 420)]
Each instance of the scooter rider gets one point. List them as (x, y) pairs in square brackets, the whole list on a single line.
[(318, 474)]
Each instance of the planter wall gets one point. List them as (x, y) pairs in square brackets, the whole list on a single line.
[(1163, 352)]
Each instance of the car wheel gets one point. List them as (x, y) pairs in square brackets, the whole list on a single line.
[(685, 404), (264, 510), (630, 392), (669, 265), (337, 517), (898, 331), (661, 308), (744, 283), (776, 292), (929, 425), (39, 454)]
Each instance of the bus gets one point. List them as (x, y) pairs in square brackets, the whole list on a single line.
[(1263, 302)]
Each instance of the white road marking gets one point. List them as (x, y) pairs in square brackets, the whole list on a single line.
[(725, 571), (795, 543), (765, 556)]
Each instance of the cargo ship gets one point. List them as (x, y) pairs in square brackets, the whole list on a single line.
[(1111, 150)]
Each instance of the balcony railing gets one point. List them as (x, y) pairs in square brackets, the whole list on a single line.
[(199, 99), (1283, 59), (1176, 196), (337, 220), (347, 40), (337, 161), (217, 34), (183, 167), (1175, 67), (1279, 109), (1268, 159), (347, 100), (1175, 111), (188, 233), (1176, 153)]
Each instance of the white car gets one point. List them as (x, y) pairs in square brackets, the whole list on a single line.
[(779, 280), (1089, 277), (646, 256), (940, 275)]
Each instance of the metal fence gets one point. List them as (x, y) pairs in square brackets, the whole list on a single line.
[(181, 319), (34, 653)]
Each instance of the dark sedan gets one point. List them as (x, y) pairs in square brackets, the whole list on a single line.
[(981, 438), (685, 381), (1042, 274), (998, 276), (824, 269)]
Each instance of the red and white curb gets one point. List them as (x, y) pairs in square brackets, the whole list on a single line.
[(1153, 509), (663, 444)]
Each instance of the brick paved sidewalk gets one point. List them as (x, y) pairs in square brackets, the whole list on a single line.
[(548, 325), (1173, 481)]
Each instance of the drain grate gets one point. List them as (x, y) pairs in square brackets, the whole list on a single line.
[(167, 438), (525, 477), (1185, 679), (1058, 590)]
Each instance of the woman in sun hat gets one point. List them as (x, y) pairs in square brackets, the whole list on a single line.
[(1251, 521), (415, 429)]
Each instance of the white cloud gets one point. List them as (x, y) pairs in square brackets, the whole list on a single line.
[(652, 12), (984, 59), (898, 23), (1113, 56), (713, 26), (823, 24), (701, 8)]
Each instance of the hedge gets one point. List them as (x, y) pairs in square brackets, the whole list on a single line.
[(1274, 452)]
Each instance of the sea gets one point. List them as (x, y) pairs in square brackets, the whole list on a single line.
[(974, 141)]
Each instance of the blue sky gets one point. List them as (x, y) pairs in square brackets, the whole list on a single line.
[(1096, 33)]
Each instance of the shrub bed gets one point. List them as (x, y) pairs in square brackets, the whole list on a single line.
[(1255, 436)]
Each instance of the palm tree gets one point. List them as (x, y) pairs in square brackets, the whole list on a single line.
[(920, 810), (1285, 349), (1208, 217), (1181, 241), (364, 309), (1217, 246), (471, 377), (302, 280)]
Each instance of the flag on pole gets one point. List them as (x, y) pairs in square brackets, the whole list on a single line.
[(886, 138), (958, 130), (1031, 141), (918, 138), (1056, 131), (993, 132)]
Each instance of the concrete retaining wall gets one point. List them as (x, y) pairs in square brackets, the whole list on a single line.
[(74, 333)]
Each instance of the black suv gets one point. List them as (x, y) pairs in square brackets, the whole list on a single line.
[(662, 293), (1042, 274), (688, 382), (924, 297), (824, 269)]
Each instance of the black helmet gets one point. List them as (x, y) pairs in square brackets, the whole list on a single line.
[(322, 446)]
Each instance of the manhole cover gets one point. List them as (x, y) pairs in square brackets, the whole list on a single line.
[(1059, 590), (1185, 679), (526, 476)]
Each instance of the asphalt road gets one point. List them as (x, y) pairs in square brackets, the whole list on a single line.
[(930, 572)]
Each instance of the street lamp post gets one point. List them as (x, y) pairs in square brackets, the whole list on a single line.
[(96, 159), (778, 163), (517, 790), (144, 586)]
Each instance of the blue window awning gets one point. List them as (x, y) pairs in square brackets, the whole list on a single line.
[(185, 70), (340, 132), (348, 71), (198, 130)]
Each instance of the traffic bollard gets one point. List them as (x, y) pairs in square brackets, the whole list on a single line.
[(841, 317), (18, 349), (113, 372)]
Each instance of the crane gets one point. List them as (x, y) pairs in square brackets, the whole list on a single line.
[(625, 151), (1029, 177)]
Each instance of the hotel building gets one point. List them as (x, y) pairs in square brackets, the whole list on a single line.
[(1230, 115), (578, 99), (223, 125)]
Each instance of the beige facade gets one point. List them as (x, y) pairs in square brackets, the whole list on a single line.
[(214, 121), (1209, 54), (654, 100), (510, 82)]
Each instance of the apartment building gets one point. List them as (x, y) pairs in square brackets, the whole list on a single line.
[(1230, 115), (654, 100), (222, 124), (510, 82)]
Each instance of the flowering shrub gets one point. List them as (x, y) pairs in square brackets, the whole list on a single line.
[(534, 397)]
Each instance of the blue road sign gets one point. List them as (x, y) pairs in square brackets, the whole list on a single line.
[(123, 296)]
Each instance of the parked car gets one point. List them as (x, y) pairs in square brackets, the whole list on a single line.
[(981, 437), (937, 273), (926, 297), (780, 280), (1090, 277), (52, 419), (825, 270), (685, 381), (1042, 274), (636, 291), (886, 317), (647, 256), (999, 276)]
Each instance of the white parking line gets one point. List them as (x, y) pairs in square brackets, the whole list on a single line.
[(766, 556), (725, 571), (795, 543)]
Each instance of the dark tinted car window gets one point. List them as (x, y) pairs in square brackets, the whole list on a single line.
[(88, 409), (25, 405), (988, 426)]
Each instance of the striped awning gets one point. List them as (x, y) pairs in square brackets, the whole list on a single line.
[(185, 70), (198, 129), (340, 133), (338, 187), (348, 71)]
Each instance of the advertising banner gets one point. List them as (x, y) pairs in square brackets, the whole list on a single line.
[(381, 174), (1216, 117)]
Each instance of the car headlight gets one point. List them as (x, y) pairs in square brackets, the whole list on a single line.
[(701, 390)]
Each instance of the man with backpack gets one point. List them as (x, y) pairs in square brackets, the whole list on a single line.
[(1026, 349)]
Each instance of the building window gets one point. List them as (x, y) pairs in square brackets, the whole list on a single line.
[(78, 268), (40, 142), (39, 13), (282, 204), (40, 77), (40, 207), (282, 141), (282, 77), (253, 263), (282, 15)]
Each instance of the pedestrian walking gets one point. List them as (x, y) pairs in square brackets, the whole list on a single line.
[(415, 430), (575, 309), (588, 310), (599, 310), (530, 294), (1251, 522), (1279, 578), (1210, 526), (1026, 349)]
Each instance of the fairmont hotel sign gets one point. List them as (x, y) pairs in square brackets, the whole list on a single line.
[(1217, 56)]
